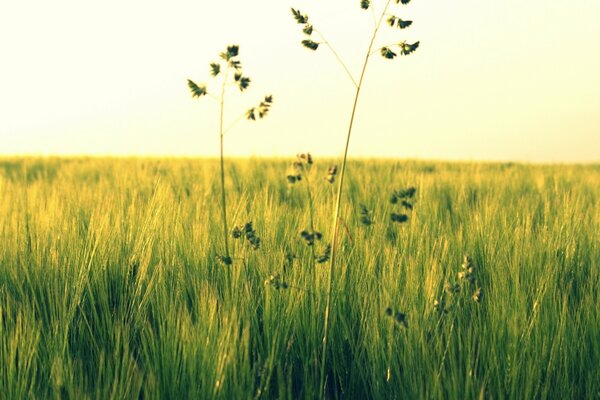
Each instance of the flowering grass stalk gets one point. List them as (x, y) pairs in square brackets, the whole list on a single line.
[(231, 63), (386, 52)]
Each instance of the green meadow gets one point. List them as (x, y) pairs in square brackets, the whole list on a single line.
[(111, 288)]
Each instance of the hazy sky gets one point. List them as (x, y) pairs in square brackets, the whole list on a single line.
[(501, 80)]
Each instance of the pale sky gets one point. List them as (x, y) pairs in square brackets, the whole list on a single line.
[(493, 80)]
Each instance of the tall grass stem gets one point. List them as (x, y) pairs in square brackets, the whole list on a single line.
[(338, 201)]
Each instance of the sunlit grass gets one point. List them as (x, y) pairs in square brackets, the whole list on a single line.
[(110, 285)]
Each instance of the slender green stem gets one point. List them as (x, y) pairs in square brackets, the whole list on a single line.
[(223, 196), (336, 216), (338, 58)]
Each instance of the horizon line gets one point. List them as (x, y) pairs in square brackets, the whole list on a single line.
[(41, 156)]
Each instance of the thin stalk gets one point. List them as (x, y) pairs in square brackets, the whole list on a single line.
[(313, 253), (234, 123), (334, 232), (223, 196), (338, 58), (311, 215)]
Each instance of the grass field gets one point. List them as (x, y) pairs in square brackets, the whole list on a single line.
[(110, 288)]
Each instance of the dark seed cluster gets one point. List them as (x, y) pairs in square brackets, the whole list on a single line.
[(398, 317), (307, 29), (402, 194), (310, 237), (366, 217), (404, 199), (276, 282), (325, 255), (249, 233), (305, 158), (261, 110), (226, 260), (399, 218), (292, 179), (301, 166), (331, 173)]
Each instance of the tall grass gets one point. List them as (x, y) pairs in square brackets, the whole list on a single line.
[(109, 286), (386, 52)]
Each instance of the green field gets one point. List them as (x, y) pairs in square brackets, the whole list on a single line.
[(110, 285)]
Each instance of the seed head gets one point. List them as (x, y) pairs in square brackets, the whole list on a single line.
[(399, 218), (331, 174), (309, 237), (299, 17), (399, 318), (468, 270), (226, 260), (276, 282), (407, 48), (407, 205), (452, 289), (325, 256), (305, 158), (247, 230), (236, 233), (292, 179), (440, 306), (406, 193), (365, 215), (467, 262)]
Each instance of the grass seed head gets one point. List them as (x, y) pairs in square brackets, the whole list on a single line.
[(331, 174), (407, 205), (468, 270), (366, 217), (399, 317), (292, 179), (467, 262), (406, 193), (399, 218), (276, 282), (226, 260), (236, 233), (251, 235), (440, 306), (310, 237), (305, 158), (452, 289), (325, 255), (299, 17), (247, 230)]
